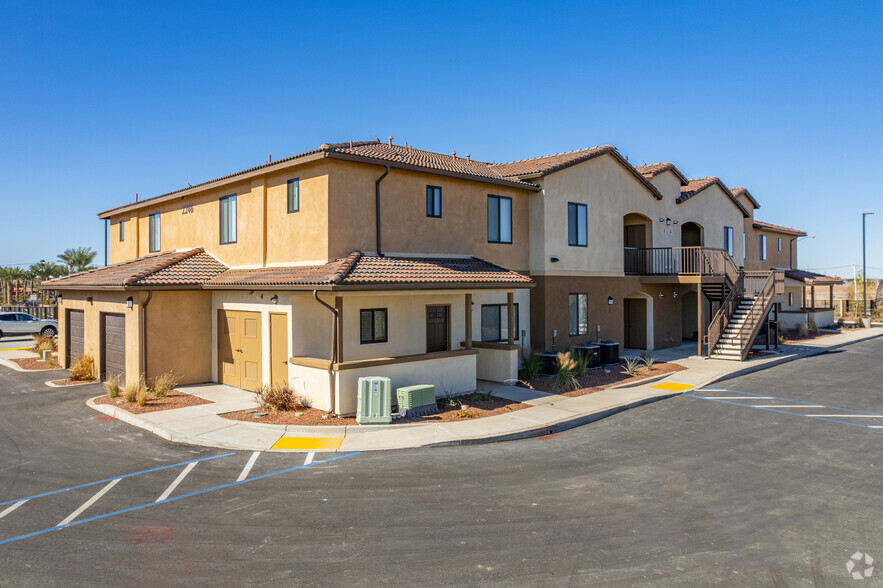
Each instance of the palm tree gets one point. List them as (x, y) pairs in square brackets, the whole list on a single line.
[(5, 284), (78, 259)]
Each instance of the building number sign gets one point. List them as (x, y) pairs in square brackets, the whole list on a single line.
[(187, 209)]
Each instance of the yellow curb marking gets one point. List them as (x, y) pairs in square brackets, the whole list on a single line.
[(310, 443), (16, 349), (673, 386)]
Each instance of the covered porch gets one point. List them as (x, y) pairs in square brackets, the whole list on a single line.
[(809, 299)]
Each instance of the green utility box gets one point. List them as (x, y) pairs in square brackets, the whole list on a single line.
[(417, 400), (375, 401)]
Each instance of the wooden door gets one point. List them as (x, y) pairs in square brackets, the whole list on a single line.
[(228, 367), (278, 348), (635, 236), (436, 328), (636, 323), (239, 348)]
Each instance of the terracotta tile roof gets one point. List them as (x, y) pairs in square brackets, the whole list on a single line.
[(170, 268), (811, 278), (697, 185), (360, 270), (651, 170), (543, 166), (744, 192), (778, 228)]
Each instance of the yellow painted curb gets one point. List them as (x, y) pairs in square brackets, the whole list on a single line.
[(673, 386), (17, 349), (310, 443)]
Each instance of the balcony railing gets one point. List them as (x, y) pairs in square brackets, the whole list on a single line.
[(679, 261)]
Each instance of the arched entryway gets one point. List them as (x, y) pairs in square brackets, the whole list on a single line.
[(637, 231), (638, 321), (692, 235)]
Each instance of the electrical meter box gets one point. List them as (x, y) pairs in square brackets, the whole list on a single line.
[(375, 401)]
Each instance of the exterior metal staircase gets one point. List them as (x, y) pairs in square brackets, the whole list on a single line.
[(736, 324)]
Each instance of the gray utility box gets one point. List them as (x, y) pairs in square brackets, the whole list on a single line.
[(375, 401)]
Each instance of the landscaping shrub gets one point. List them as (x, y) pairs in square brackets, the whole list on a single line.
[(631, 364), (449, 398), (131, 391), (648, 360), (802, 330), (277, 397), (812, 327), (42, 343), (485, 393), (81, 371), (163, 384), (564, 372), (582, 359), (531, 366), (141, 397), (112, 386)]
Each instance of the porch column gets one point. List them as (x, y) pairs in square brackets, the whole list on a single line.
[(510, 308), (812, 297), (338, 305), (699, 315), (831, 296), (803, 298), (468, 315)]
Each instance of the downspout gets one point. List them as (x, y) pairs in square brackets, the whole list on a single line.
[(106, 241), (376, 211), (331, 386), (144, 333)]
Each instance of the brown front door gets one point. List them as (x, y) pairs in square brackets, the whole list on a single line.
[(635, 236), (636, 323), (436, 328), (239, 348), (278, 348)]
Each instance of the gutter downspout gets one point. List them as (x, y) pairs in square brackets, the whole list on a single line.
[(331, 386), (144, 333), (377, 209)]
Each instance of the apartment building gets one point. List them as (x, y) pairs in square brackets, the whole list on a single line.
[(371, 258)]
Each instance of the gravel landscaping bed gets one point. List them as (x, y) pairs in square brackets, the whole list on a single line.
[(34, 364), (310, 417), (172, 400), (69, 382), (598, 379)]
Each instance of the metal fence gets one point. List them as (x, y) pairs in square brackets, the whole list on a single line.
[(41, 312)]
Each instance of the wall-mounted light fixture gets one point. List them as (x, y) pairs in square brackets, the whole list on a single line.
[(130, 302), (661, 295), (89, 299), (275, 299), (251, 292), (674, 294), (667, 221), (662, 220), (59, 297), (553, 259), (675, 222), (473, 305), (610, 300)]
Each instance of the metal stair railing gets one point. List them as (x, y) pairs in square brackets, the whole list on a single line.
[(724, 314), (764, 297)]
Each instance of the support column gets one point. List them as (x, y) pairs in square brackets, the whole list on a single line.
[(468, 315), (699, 315), (812, 297), (338, 305), (510, 308), (831, 296)]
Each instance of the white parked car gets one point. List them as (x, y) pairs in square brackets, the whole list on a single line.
[(20, 323)]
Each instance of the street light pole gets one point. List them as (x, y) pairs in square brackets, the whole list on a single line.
[(864, 270)]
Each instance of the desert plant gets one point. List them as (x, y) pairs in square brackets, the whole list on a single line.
[(531, 366), (43, 343), (812, 327), (485, 393), (279, 396), (631, 364), (648, 360), (112, 386), (564, 372), (141, 397), (132, 390), (163, 384), (449, 397), (802, 330), (81, 371), (582, 359)]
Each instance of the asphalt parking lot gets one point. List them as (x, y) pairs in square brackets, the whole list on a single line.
[(735, 484)]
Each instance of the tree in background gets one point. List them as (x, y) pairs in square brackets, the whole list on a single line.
[(79, 259)]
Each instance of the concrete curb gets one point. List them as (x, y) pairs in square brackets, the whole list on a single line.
[(14, 366)]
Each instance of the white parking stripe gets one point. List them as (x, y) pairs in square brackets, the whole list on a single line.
[(248, 466), (89, 502), (12, 508), (309, 458), (738, 397), (787, 406), (849, 416), (177, 481)]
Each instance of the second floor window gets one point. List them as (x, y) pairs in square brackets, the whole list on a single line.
[(153, 233), (122, 230), (780, 243), (433, 201), (228, 219), (577, 215), (294, 195), (578, 309), (495, 323), (373, 325), (763, 247), (499, 219), (728, 240)]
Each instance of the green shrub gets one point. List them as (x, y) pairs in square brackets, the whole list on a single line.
[(531, 366), (564, 372), (485, 393), (112, 386), (81, 371), (631, 364), (582, 359), (648, 360)]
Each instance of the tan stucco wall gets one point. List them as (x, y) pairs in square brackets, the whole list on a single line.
[(405, 228), (303, 235), (774, 258), (667, 183), (713, 209), (102, 302), (179, 327)]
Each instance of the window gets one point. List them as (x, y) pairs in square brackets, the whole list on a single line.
[(294, 195), (153, 232), (779, 245), (576, 224), (762, 247), (578, 305), (373, 325), (433, 201), (790, 298), (499, 219), (728, 240), (744, 246), (122, 231), (228, 219), (495, 323)]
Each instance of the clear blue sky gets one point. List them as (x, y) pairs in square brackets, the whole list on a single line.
[(102, 100)]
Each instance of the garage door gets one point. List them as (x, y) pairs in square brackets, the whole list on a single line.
[(113, 362), (75, 339)]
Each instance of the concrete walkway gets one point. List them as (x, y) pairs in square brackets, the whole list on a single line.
[(548, 413)]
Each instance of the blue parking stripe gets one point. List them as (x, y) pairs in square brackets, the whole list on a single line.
[(809, 416), (174, 498), (174, 465), (815, 404)]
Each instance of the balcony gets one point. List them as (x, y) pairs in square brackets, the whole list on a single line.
[(679, 261)]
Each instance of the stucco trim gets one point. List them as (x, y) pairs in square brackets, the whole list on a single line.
[(313, 362)]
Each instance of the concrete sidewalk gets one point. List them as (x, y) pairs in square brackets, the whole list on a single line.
[(548, 413)]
